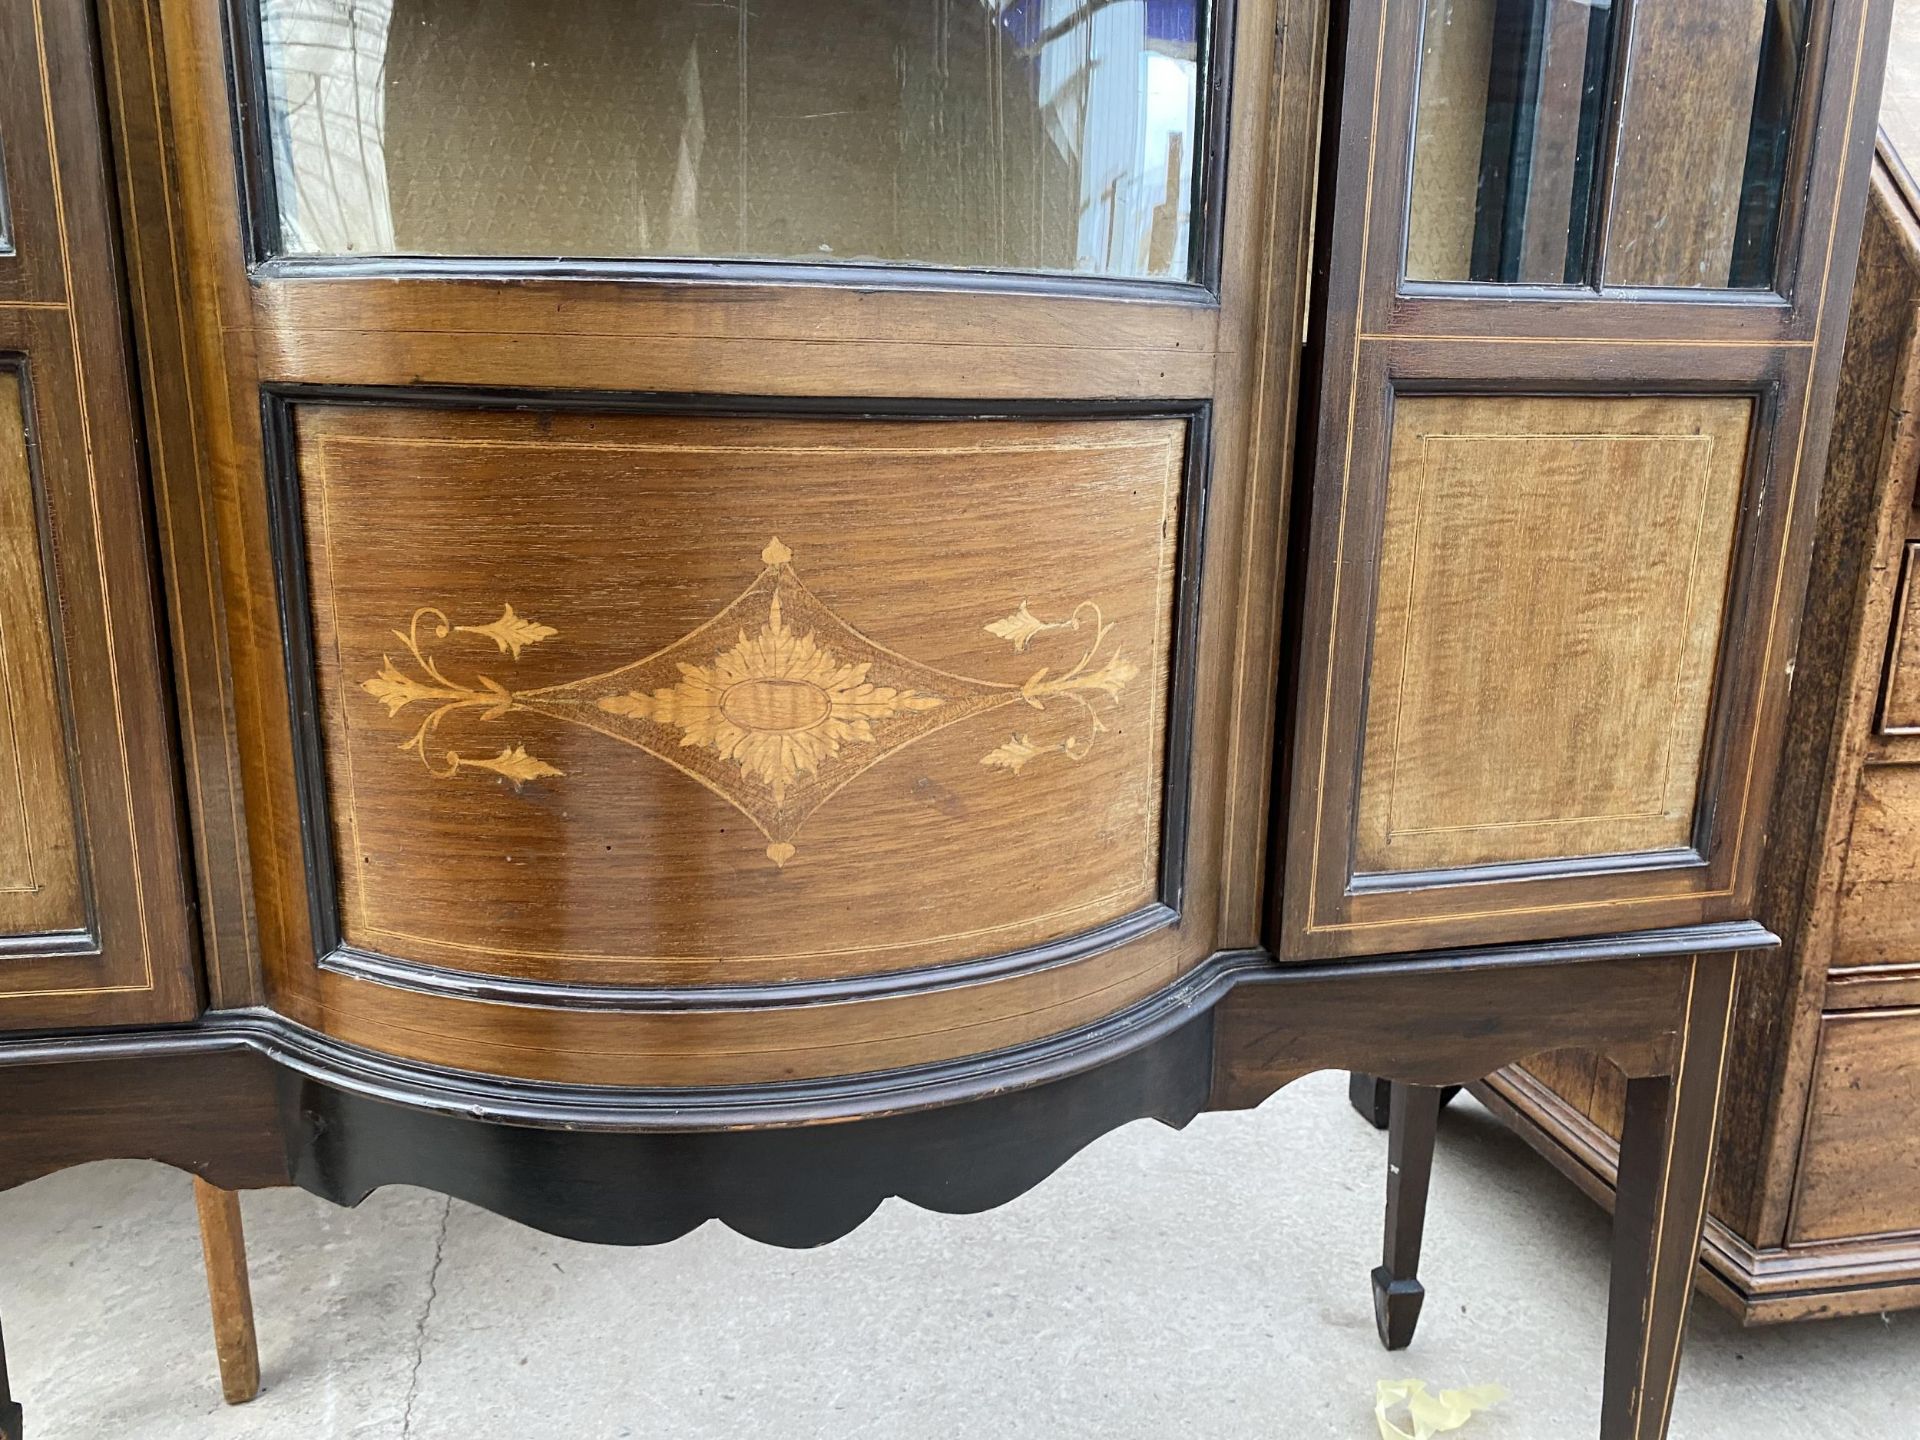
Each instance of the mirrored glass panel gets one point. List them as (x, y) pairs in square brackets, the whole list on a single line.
[(1702, 161), (1510, 125), (1050, 135)]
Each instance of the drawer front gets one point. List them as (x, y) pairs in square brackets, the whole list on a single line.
[(1900, 702), (1878, 919), (1860, 1157)]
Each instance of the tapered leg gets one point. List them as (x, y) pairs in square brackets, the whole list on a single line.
[(9, 1412), (1369, 1095), (1666, 1154), (226, 1251), (1413, 1120)]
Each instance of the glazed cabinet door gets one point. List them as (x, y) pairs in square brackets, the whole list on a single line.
[(95, 925), (1587, 274), (741, 522)]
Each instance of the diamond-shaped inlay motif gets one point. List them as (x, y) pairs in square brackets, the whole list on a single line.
[(775, 704)]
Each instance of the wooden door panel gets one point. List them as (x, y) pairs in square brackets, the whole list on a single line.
[(1557, 533), (95, 926), (1877, 914), (1553, 583)]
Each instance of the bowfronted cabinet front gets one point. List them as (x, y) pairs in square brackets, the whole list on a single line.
[(1586, 283), (822, 623)]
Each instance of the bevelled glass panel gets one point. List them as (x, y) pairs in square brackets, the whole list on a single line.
[(1706, 125), (1047, 135), (1507, 136)]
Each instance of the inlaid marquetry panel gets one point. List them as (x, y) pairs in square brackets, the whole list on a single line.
[(1553, 582), (40, 887), (652, 699)]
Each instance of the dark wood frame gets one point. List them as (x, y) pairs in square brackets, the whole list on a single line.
[(1377, 336), (181, 438), (62, 330)]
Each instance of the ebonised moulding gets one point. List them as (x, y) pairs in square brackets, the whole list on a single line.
[(343, 1121)]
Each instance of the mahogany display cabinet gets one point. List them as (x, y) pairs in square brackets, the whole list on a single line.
[(640, 613)]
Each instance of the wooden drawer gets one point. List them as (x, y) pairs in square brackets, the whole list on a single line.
[(1878, 913), (1860, 1161), (1900, 702)]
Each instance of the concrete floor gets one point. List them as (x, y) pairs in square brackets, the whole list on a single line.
[(1210, 1284)]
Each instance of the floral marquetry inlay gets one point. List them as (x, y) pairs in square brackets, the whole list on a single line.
[(775, 704)]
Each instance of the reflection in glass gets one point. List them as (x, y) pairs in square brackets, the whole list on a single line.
[(6, 216), (1512, 103), (1702, 161), (1025, 134)]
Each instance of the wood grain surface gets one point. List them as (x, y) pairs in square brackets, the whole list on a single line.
[(1379, 341), (223, 1245), (1761, 1285), (1553, 580), (1839, 882), (778, 339), (1866, 502), (180, 454), (1877, 916), (636, 699), (39, 866), (1225, 350), (1860, 1167)]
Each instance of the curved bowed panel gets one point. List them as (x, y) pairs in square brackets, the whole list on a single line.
[(676, 721), (763, 575), (640, 700)]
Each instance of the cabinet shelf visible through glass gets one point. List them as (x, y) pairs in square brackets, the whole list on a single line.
[(1037, 135)]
